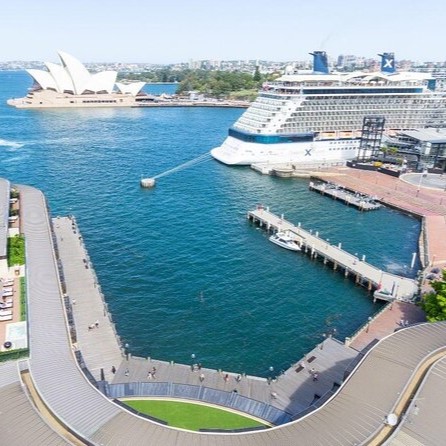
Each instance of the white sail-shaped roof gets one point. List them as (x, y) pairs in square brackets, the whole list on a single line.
[(43, 78), (72, 77), (100, 82), (133, 89), (61, 76), (77, 71)]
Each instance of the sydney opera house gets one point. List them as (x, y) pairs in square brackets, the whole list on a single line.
[(70, 84)]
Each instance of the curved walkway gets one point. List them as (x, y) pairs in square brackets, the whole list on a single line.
[(425, 414), (20, 424), (354, 415)]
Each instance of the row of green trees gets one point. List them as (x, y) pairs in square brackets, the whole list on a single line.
[(218, 84), (434, 303), (165, 75)]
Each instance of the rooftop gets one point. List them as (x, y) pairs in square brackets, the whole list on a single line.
[(432, 135)]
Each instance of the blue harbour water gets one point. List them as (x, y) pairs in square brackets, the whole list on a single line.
[(182, 269)]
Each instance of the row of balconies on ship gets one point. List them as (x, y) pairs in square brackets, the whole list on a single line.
[(273, 102), (343, 104), (352, 82), (363, 111), (336, 113), (359, 116), (374, 100), (319, 124), (353, 98), (253, 119), (364, 108), (260, 112)]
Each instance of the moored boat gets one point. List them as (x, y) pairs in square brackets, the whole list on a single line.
[(286, 240)]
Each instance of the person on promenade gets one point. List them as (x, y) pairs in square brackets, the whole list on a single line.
[(113, 369), (201, 377), (315, 376)]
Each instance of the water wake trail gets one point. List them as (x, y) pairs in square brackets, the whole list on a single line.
[(200, 159)]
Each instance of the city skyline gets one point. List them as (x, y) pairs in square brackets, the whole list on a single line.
[(234, 30)]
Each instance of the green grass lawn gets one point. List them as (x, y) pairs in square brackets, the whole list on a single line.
[(16, 250), (192, 416)]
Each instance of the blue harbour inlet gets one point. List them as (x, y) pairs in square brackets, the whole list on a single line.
[(181, 268)]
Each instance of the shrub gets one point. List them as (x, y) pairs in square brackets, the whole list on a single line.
[(16, 250)]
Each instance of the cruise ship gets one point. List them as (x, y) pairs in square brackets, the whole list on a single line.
[(318, 117)]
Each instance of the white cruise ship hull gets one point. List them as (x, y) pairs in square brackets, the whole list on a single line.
[(236, 152)]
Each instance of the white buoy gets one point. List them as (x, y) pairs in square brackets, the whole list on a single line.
[(147, 182)]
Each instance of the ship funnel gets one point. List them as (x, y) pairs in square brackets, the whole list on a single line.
[(387, 62), (320, 62)]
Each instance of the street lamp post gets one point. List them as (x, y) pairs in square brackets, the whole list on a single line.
[(321, 345), (423, 175), (369, 320), (270, 374)]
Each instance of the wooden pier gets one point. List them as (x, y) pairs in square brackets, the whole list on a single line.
[(386, 286), (360, 201)]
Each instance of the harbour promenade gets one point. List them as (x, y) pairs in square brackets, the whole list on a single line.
[(292, 391), (96, 337), (388, 286), (392, 317), (426, 203), (100, 347), (189, 103), (381, 384)]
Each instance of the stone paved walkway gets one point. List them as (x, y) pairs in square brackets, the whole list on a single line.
[(395, 316), (99, 345), (292, 391)]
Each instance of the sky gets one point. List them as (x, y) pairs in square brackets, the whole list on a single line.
[(172, 31)]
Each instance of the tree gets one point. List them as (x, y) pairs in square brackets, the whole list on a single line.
[(389, 150), (257, 76), (434, 304)]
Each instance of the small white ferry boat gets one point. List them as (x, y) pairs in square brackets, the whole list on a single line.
[(285, 240)]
